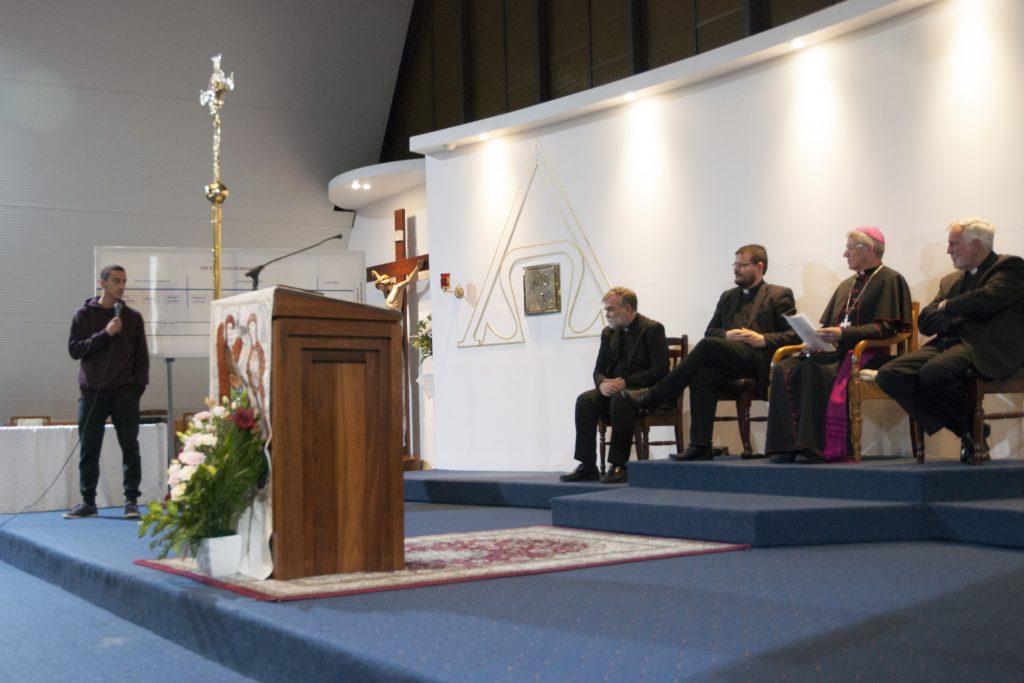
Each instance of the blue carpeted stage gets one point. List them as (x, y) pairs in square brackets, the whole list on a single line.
[(884, 570)]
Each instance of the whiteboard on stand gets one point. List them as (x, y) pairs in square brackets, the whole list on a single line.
[(172, 288)]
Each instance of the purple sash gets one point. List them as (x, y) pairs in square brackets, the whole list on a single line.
[(837, 416)]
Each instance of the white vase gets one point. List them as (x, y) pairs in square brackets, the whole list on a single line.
[(219, 556)]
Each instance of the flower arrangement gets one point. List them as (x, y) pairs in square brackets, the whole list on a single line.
[(212, 481), (424, 339)]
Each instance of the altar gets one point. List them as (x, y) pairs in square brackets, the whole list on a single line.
[(31, 458)]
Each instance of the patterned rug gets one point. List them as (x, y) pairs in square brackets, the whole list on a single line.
[(472, 556)]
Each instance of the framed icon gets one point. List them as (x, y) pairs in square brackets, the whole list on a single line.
[(542, 292)]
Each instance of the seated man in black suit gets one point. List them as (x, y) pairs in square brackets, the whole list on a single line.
[(747, 327), (977, 318), (633, 353)]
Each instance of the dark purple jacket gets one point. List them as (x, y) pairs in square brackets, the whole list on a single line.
[(109, 364)]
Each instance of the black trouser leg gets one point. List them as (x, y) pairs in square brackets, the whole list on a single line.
[(124, 413), (92, 416), (591, 406)]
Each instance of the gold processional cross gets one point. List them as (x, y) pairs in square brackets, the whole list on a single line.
[(216, 192)]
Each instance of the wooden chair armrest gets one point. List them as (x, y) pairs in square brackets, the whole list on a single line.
[(786, 352), (865, 344)]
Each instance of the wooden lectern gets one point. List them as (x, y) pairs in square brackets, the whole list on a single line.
[(336, 453)]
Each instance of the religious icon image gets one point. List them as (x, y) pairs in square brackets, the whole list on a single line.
[(542, 292)]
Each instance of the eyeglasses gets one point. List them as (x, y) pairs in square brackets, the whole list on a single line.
[(858, 245), (742, 265)]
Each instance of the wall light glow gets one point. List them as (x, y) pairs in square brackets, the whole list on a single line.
[(815, 110), (483, 136), (969, 62), (644, 159), (629, 97), (797, 43)]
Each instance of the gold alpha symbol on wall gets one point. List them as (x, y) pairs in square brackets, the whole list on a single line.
[(541, 226)]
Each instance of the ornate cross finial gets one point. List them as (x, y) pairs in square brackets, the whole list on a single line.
[(216, 192), (213, 98)]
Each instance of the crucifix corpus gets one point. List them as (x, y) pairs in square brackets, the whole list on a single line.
[(393, 279)]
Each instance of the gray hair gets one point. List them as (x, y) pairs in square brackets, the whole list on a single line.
[(627, 295), (864, 238), (976, 229)]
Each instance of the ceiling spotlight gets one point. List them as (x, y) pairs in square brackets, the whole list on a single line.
[(629, 97), (354, 185), (366, 186), (797, 43), (483, 136)]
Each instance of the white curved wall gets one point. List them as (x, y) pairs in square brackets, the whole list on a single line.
[(905, 124)]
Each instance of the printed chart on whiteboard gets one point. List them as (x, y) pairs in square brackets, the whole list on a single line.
[(173, 288)]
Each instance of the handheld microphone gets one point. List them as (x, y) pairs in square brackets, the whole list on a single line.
[(118, 307)]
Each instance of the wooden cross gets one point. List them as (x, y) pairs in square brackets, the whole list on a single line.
[(398, 270)]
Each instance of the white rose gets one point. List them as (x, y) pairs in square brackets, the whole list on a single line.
[(178, 492), (191, 458), (187, 472)]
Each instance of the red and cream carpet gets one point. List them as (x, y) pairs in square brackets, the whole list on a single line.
[(472, 556)]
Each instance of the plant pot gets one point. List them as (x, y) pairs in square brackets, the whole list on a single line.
[(219, 556)]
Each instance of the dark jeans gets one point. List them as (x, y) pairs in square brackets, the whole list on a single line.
[(123, 411)]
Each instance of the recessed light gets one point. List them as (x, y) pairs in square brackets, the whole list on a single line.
[(366, 186), (483, 136), (629, 97), (797, 43), (354, 185)]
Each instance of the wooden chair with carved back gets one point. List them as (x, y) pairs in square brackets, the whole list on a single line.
[(666, 415), (862, 385), (744, 391), (977, 388)]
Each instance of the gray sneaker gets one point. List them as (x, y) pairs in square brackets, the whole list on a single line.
[(81, 510), (131, 510)]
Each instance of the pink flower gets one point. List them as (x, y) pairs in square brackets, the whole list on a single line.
[(191, 457), (199, 418)]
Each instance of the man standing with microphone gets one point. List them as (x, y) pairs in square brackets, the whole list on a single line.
[(110, 341)]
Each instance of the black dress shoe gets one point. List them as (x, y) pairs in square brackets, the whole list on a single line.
[(968, 447), (582, 473), (616, 475), (808, 458), (694, 452), (639, 398), (783, 458)]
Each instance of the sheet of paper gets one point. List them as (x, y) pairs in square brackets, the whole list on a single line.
[(807, 330)]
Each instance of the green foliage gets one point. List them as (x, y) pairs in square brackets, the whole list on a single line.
[(424, 339), (213, 480)]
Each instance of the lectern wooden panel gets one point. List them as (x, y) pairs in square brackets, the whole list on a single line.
[(336, 412)]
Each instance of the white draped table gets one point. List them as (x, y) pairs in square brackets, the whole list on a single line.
[(31, 458)]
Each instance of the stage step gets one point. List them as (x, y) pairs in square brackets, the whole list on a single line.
[(757, 519), (511, 489), (889, 479), (989, 522)]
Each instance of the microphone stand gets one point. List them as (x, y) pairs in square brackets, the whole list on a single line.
[(255, 272)]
